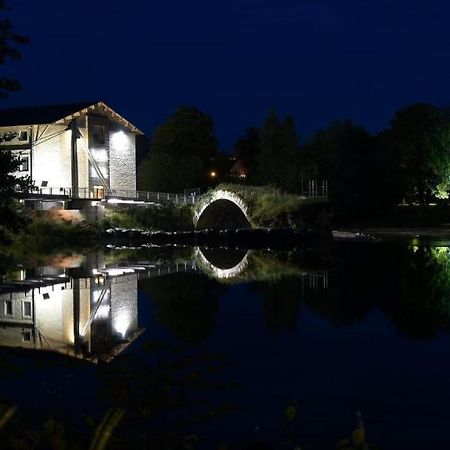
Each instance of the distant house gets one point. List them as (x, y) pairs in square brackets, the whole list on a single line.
[(85, 147), (238, 169)]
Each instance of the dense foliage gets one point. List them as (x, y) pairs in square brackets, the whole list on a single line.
[(181, 153), (367, 174), (167, 218), (10, 186)]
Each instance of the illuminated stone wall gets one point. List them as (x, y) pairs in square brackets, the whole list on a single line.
[(124, 311), (122, 160)]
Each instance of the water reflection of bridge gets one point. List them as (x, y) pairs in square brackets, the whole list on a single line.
[(90, 311)]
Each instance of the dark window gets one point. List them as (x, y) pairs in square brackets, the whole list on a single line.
[(26, 336), (8, 308), (46, 296), (98, 134), (25, 164), (81, 122), (23, 136), (27, 309)]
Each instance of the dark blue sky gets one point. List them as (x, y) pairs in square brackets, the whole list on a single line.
[(316, 60)]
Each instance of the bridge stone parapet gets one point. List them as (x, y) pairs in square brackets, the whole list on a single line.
[(220, 194)]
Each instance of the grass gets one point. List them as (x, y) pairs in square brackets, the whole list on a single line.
[(166, 218)]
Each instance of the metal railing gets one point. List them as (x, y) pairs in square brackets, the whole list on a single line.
[(112, 195), (317, 189)]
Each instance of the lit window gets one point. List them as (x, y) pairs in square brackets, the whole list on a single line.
[(26, 309), (8, 308), (103, 170), (25, 164), (101, 156)]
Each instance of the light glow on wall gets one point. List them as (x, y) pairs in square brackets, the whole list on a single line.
[(103, 312), (119, 139), (122, 322)]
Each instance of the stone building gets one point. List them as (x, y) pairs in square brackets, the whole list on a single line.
[(86, 148)]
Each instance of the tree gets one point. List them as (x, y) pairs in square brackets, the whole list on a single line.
[(181, 152), (344, 155), (8, 51), (10, 185), (246, 150), (420, 140), (277, 162)]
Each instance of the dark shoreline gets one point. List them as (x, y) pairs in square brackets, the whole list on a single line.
[(268, 238), (249, 238)]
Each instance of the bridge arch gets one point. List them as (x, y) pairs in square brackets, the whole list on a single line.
[(221, 272), (220, 194)]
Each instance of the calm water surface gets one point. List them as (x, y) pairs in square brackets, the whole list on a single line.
[(202, 348)]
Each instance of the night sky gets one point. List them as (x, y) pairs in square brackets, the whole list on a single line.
[(316, 60)]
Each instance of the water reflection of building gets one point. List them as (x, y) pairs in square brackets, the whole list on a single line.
[(90, 317)]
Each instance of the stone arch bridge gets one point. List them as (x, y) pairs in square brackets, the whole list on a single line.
[(244, 204), (222, 196)]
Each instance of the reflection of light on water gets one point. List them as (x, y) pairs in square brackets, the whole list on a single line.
[(223, 273), (122, 322)]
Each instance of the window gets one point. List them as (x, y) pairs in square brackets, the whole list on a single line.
[(23, 136), (25, 164), (8, 308), (45, 296), (102, 169), (26, 309), (26, 336), (98, 133), (81, 122)]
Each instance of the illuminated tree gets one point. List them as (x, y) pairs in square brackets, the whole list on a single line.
[(10, 185), (9, 40), (420, 140)]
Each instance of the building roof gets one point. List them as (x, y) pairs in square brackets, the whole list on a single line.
[(40, 115)]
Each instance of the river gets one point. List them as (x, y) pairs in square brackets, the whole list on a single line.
[(213, 348)]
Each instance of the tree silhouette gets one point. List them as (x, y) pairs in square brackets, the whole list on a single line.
[(9, 40), (181, 152), (278, 158)]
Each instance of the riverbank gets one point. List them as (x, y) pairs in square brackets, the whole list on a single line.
[(392, 232), (241, 238)]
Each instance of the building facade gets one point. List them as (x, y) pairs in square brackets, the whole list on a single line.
[(93, 318), (85, 148)]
